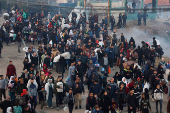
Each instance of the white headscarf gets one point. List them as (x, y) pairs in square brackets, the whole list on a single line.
[(8, 110), (124, 81), (11, 79)]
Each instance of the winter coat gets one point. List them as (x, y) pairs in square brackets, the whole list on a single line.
[(80, 86), (131, 101), (105, 102), (19, 89), (145, 104), (90, 102), (113, 89), (32, 90), (11, 70), (158, 94), (111, 53), (95, 88)]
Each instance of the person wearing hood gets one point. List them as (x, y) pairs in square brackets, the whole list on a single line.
[(11, 70), (47, 61), (105, 102), (12, 87), (49, 88), (50, 76), (9, 110), (90, 101)]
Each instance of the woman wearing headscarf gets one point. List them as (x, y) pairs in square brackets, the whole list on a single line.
[(49, 88), (12, 87)]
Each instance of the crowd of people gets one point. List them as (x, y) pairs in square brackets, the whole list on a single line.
[(91, 50)]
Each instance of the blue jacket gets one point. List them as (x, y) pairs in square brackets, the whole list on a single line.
[(94, 59), (95, 88), (111, 53), (113, 89), (105, 20)]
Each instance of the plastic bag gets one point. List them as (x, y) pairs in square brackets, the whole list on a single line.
[(97, 64), (102, 70)]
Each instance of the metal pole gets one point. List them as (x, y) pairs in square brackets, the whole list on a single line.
[(108, 17), (85, 4)]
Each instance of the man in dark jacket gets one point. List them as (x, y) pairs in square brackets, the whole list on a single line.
[(112, 22), (133, 6), (111, 56), (91, 101), (11, 70), (47, 61), (113, 88), (19, 88), (131, 102), (34, 61), (139, 18), (95, 88), (19, 39), (78, 88), (124, 17), (53, 37), (80, 71), (139, 51), (145, 15), (5, 104), (122, 39)]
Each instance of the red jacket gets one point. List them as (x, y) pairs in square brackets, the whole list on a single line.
[(11, 71)]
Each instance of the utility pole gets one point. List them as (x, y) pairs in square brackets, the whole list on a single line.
[(85, 4), (108, 17)]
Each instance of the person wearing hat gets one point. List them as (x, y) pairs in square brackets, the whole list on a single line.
[(144, 104)]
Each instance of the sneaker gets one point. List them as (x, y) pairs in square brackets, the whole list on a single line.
[(58, 109), (76, 107), (79, 107), (153, 99), (47, 107)]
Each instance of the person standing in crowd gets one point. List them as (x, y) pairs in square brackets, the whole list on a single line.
[(58, 91), (78, 89), (105, 103), (80, 71), (19, 39), (42, 97), (139, 18), (158, 96), (90, 102), (3, 86), (49, 96), (72, 72), (131, 102), (112, 22), (144, 104), (134, 6), (5, 104), (71, 101), (32, 91), (105, 63), (11, 70), (111, 56), (124, 17), (112, 86), (145, 15)]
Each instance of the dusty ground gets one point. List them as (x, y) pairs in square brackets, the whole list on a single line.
[(10, 53)]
